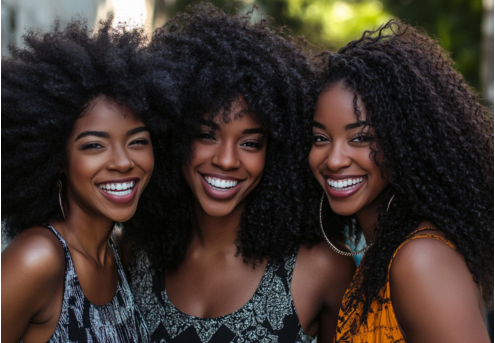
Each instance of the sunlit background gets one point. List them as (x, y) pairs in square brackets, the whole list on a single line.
[(463, 27)]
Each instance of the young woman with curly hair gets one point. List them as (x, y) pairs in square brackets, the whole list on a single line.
[(404, 153), (237, 201), (76, 158)]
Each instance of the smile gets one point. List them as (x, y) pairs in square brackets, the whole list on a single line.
[(344, 185), (343, 188), (220, 184), (118, 189)]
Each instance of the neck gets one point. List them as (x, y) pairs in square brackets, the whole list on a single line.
[(367, 218), (216, 233), (86, 233)]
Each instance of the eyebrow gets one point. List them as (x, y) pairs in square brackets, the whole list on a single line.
[(210, 123), (319, 125), (253, 130), (359, 123), (103, 134)]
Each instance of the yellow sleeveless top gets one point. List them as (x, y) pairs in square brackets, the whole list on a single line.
[(381, 326)]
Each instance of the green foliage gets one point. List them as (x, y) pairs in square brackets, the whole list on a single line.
[(333, 23)]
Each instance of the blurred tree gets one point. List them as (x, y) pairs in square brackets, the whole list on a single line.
[(333, 23), (457, 25)]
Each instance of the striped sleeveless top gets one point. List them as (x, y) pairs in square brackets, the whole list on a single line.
[(381, 325), (118, 321)]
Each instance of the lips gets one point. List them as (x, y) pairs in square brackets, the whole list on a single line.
[(341, 186), (119, 191), (220, 187)]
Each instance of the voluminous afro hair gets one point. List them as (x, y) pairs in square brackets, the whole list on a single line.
[(46, 87), (433, 140), (220, 58)]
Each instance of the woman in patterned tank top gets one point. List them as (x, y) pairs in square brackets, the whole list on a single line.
[(72, 102), (239, 257), (404, 153)]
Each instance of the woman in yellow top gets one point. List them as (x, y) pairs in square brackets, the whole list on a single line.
[(404, 153)]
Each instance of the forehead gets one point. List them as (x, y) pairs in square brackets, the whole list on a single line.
[(336, 106), (106, 115), (238, 113)]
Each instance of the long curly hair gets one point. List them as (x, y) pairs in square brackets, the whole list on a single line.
[(434, 141), (220, 57), (46, 87)]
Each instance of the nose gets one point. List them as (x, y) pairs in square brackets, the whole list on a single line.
[(337, 158), (225, 157), (120, 160)]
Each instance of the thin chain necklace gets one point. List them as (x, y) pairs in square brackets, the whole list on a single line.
[(334, 248)]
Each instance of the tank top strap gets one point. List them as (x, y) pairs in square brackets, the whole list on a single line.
[(57, 234), (289, 265), (413, 236)]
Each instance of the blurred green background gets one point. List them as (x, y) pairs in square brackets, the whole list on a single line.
[(457, 24), (463, 27)]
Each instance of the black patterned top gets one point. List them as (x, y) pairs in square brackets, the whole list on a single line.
[(119, 321), (269, 316)]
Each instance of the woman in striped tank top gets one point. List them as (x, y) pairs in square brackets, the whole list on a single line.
[(72, 106)]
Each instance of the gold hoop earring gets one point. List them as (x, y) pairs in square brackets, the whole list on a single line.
[(334, 248), (59, 185), (392, 198)]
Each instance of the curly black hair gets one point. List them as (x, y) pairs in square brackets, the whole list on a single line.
[(434, 141), (46, 87), (220, 58)]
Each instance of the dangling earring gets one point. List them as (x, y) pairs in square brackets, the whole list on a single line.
[(59, 185), (392, 198)]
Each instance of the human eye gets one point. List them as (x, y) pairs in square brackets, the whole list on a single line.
[(91, 146), (256, 144), (363, 139), (141, 141), (318, 138), (204, 135)]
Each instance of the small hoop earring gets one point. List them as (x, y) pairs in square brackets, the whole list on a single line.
[(59, 185), (392, 198)]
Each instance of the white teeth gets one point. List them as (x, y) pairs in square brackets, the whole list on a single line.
[(220, 184), (121, 189), (344, 184)]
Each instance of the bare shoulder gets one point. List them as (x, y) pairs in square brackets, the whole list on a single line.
[(35, 251), (422, 254), (322, 260), (434, 295)]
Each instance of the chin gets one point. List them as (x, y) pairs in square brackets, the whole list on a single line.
[(218, 211), (343, 210), (121, 216)]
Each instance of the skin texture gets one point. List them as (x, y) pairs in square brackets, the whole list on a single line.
[(341, 148), (434, 296), (213, 281), (33, 264), (434, 143)]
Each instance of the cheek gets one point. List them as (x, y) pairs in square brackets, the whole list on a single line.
[(255, 164), (315, 159), (145, 160), (81, 169)]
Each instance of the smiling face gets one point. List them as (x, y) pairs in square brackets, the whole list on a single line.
[(110, 161), (340, 157), (227, 163)]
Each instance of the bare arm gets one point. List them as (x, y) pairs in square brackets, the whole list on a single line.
[(434, 296), (321, 277), (33, 268)]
